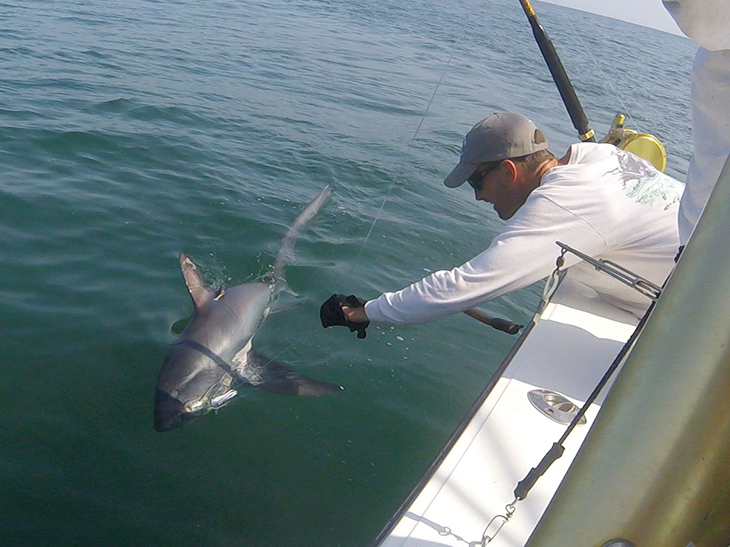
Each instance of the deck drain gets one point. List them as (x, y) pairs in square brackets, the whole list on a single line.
[(554, 406)]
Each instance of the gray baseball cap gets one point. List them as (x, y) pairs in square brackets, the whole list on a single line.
[(501, 136)]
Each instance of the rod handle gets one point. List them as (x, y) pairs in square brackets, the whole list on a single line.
[(495, 322)]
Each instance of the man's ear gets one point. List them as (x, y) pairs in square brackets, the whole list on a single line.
[(509, 168)]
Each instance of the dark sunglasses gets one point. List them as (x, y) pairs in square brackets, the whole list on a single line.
[(476, 181)]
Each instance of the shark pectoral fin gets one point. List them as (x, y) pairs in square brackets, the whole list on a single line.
[(278, 378), (285, 306), (298, 384), (179, 325), (200, 291)]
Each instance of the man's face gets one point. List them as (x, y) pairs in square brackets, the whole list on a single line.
[(499, 187)]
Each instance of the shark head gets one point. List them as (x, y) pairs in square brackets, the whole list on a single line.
[(192, 382), (171, 413)]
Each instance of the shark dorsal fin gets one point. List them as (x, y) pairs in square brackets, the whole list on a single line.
[(200, 291)]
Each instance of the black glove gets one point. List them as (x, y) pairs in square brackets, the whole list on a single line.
[(331, 313)]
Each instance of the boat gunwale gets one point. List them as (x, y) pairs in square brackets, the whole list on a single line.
[(455, 435)]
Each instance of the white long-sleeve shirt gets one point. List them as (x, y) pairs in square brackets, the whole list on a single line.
[(710, 109), (605, 202), (706, 22)]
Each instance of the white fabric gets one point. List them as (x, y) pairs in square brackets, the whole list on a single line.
[(606, 203), (705, 21), (710, 107)]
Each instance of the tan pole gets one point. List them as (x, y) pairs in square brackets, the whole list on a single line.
[(655, 467)]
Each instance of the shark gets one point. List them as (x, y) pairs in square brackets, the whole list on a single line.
[(212, 358)]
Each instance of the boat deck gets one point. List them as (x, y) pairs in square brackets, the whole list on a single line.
[(566, 352)]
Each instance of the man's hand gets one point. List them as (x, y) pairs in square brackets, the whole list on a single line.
[(348, 311), (355, 315)]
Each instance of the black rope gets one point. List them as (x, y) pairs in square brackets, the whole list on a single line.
[(526, 484)]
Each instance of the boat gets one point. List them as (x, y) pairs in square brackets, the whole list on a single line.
[(598, 429)]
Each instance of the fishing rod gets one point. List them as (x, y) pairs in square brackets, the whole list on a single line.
[(577, 116), (560, 77), (498, 323)]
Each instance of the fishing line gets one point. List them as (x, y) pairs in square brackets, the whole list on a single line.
[(413, 139), (602, 75), (400, 171)]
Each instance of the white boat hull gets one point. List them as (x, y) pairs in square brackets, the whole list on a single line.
[(567, 351)]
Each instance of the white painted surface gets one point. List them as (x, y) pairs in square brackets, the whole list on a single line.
[(568, 351)]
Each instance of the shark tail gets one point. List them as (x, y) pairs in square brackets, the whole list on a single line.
[(286, 251)]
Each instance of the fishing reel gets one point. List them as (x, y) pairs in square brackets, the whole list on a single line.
[(643, 145)]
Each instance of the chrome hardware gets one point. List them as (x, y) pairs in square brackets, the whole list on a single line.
[(618, 272), (554, 406)]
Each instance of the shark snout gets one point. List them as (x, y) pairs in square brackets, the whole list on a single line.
[(170, 413)]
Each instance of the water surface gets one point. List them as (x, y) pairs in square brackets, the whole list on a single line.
[(131, 132)]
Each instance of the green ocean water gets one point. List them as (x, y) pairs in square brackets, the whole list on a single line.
[(130, 132)]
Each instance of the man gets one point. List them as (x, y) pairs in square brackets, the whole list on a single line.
[(706, 22), (598, 199)]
